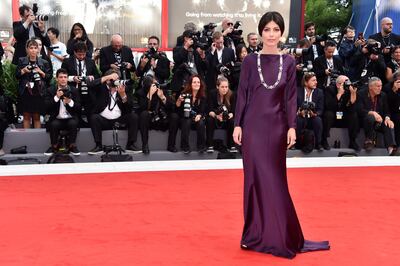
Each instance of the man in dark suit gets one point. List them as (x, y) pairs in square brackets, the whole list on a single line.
[(317, 47), (82, 73), (252, 40), (26, 29), (310, 118), (374, 112), (63, 105), (113, 105), (188, 61), (386, 37), (118, 57), (217, 57), (328, 67)]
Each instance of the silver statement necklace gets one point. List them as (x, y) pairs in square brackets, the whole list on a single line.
[(270, 87)]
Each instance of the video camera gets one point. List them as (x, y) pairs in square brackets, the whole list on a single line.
[(35, 9), (308, 108)]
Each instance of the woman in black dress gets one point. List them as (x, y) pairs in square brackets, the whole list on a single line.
[(78, 33), (33, 73)]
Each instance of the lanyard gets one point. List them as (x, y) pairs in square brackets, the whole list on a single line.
[(112, 98)]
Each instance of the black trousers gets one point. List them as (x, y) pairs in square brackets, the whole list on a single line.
[(371, 127), (314, 123), (200, 126), (349, 120), (3, 126), (171, 123), (99, 123), (212, 123), (56, 125), (396, 120)]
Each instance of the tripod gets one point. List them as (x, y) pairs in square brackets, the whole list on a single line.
[(115, 147)]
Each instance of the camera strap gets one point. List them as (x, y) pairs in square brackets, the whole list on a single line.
[(112, 98)]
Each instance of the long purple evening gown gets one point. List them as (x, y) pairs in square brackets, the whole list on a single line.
[(265, 115)]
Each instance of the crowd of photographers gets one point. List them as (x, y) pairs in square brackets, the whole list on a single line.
[(353, 84)]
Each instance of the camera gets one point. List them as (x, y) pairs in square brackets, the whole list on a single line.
[(67, 93), (152, 53), (82, 79), (307, 68), (52, 48), (201, 41), (374, 48), (236, 34), (120, 82), (158, 115), (83, 85), (35, 9), (222, 109), (347, 83), (225, 69), (307, 107), (297, 51), (187, 104), (35, 76), (321, 38)]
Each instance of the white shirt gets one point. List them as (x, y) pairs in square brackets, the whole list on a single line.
[(60, 51), (308, 99), (112, 110), (219, 55)]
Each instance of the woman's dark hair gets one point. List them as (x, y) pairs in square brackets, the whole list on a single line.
[(84, 34), (239, 49), (307, 76), (188, 87), (271, 16), (228, 95), (31, 42), (54, 31)]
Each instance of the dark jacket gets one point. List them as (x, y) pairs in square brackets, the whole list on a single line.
[(317, 98), (53, 107), (320, 65), (103, 99), (228, 56), (71, 66), (213, 102), (21, 36), (392, 40), (365, 104), (393, 102), (107, 58), (332, 104), (361, 62), (24, 79), (71, 44)]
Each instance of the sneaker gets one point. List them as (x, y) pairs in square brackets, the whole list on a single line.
[(172, 149), (202, 150), (186, 150), (2, 152), (210, 149), (74, 151), (145, 149), (96, 150), (368, 145), (50, 151), (132, 148), (233, 149), (319, 147), (326, 145)]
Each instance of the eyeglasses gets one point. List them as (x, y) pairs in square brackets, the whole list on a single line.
[(229, 24)]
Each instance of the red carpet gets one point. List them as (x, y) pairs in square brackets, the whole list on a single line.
[(192, 218)]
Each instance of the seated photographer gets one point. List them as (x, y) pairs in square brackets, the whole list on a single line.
[(310, 104), (221, 105), (113, 105), (63, 106), (156, 113), (117, 56), (33, 73), (393, 65), (348, 47), (82, 72), (375, 116), (340, 110), (328, 67), (192, 108), (218, 57), (189, 60), (153, 62), (368, 62), (393, 96)]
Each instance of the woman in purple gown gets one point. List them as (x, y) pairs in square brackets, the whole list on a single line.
[(265, 127)]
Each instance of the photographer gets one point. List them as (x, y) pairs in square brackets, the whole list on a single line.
[(375, 116), (57, 50), (347, 49), (82, 72), (340, 110), (218, 59), (310, 104), (252, 40), (113, 105), (394, 104), (118, 57), (328, 67), (303, 64), (317, 42), (78, 34), (192, 108), (156, 113), (386, 37), (30, 26), (234, 75), (393, 65), (232, 34), (189, 60), (189, 26), (153, 62), (368, 62), (221, 105), (63, 106), (33, 73)]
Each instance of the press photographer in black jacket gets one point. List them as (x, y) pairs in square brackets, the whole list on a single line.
[(156, 113), (340, 110), (63, 105), (113, 105), (221, 107), (192, 108)]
